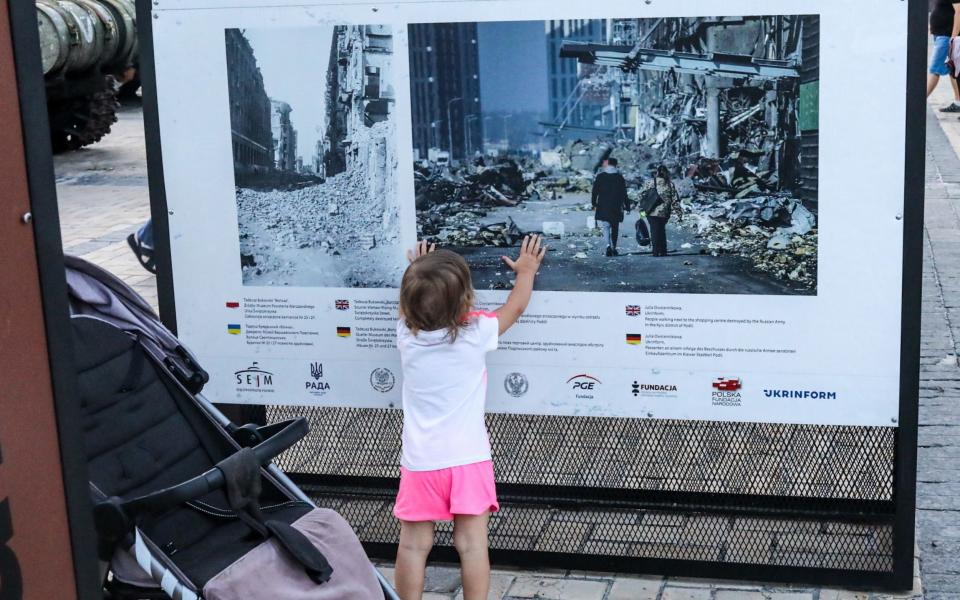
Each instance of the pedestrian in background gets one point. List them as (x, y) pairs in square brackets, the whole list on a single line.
[(659, 212), (141, 243), (609, 198), (944, 27)]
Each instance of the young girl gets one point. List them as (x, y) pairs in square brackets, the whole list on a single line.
[(446, 472)]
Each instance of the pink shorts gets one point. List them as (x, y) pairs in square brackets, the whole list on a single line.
[(438, 495)]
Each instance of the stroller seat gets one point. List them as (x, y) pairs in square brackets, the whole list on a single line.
[(145, 435)]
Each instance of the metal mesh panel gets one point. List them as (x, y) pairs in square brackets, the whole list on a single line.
[(581, 457)]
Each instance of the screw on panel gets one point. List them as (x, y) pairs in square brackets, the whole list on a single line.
[(26, 218), (899, 216)]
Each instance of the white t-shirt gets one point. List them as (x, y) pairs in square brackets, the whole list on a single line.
[(444, 394)]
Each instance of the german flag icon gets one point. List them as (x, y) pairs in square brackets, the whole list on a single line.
[(343, 332), (634, 339)]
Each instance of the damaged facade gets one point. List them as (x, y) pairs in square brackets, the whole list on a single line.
[(250, 129), (724, 100), (284, 137), (334, 219)]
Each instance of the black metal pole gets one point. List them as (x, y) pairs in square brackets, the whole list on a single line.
[(905, 474), (158, 195)]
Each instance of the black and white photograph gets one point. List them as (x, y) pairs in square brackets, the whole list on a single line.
[(673, 155), (314, 154)]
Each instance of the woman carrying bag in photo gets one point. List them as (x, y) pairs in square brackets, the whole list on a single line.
[(658, 201)]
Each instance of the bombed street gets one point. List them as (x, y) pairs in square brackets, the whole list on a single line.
[(576, 259), (706, 129)]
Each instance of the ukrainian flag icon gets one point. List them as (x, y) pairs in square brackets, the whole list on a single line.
[(233, 329)]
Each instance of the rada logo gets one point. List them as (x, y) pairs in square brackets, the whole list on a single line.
[(253, 378), (316, 387), (726, 391), (516, 384), (382, 380)]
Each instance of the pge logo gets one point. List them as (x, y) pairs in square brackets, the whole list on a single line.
[(584, 385)]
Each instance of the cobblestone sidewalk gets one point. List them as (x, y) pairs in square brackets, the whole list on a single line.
[(103, 197)]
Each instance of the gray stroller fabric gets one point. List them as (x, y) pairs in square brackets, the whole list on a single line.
[(268, 573), (98, 293)]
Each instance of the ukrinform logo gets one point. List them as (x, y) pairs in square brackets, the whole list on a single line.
[(800, 394)]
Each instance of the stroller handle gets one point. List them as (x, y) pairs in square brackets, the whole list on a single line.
[(115, 517)]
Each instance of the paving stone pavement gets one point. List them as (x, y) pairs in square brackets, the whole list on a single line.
[(103, 197), (938, 470)]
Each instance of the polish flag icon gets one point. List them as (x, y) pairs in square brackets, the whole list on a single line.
[(233, 305)]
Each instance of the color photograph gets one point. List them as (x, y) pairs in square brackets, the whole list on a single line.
[(675, 155)]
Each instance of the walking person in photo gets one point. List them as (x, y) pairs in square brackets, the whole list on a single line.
[(610, 200), (660, 200), (446, 470), (944, 27)]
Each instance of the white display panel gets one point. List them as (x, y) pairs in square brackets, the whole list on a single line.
[(826, 353)]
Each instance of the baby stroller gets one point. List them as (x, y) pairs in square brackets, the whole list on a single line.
[(188, 505)]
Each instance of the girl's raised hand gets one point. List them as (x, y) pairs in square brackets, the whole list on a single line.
[(420, 249), (531, 255)]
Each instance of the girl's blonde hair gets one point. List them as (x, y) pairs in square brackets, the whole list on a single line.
[(436, 293)]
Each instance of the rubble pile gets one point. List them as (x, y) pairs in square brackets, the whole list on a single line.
[(675, 123), (502, 184), (776, 232), (450, 203), (338, 218)]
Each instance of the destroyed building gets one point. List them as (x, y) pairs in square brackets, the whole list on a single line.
[(250, 129), (711, 88), (728, 104), (445, 88), (284, 136), (360, 93)]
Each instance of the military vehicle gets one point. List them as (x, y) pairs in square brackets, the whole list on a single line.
[(89, 52)]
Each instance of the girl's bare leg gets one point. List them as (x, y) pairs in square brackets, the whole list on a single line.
[(416, 539), (470, 540)]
